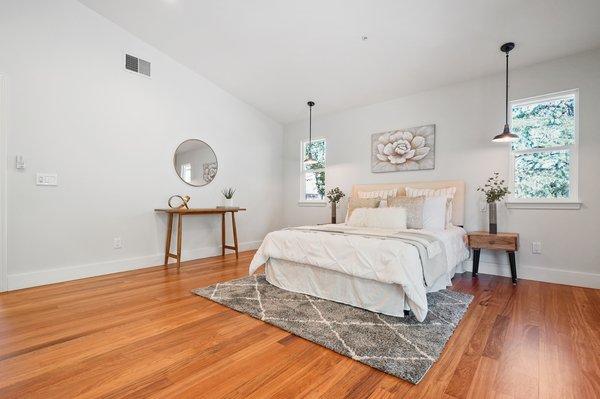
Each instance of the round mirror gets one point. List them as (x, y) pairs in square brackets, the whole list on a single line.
[(195, 162)]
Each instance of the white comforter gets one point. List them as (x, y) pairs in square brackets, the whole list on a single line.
[(385, 260)]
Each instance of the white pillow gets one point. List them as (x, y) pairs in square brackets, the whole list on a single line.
[(447, 192), (381, 218), (434, 213)]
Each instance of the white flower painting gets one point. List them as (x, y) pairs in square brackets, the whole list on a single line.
[(403, 149), (209, 171)]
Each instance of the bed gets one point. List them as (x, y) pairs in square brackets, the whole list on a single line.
[(382, 270)]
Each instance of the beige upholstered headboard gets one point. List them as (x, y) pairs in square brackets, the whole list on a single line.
[(458, 205)]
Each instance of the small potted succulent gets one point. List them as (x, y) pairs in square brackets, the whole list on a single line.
[(494, 189), (334, 196), (228, 194)]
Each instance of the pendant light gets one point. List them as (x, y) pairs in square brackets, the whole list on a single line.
[(506, 136), (309, 160)]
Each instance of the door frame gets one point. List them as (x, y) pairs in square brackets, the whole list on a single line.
[(3, 185)]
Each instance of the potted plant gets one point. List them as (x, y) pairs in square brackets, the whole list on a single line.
[(494, 190), (228, 194), (334, 196)]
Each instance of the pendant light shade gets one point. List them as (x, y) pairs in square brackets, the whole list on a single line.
[(309, 160), (506, 136)]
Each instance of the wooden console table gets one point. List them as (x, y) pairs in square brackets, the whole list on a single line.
[(198, 211)]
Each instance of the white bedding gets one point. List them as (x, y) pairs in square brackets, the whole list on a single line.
[(382, 260)]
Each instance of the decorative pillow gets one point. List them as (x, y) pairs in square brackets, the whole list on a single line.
[(382, 194), (434, 213), (355, 203), (381, 218), (447, 192), (414, 209)]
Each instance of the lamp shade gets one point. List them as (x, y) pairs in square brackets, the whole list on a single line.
[(506, 136), (309, 160)]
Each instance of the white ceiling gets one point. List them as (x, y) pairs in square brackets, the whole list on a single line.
[(276, 54)]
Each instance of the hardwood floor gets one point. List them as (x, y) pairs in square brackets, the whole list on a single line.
[(143, 334)]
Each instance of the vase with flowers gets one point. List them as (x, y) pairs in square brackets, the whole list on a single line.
[(494, 189), (334, 196)]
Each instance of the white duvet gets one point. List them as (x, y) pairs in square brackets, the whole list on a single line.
[(376, 258)]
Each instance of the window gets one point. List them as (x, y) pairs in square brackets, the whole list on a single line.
[(313, 176), (544, 158), (186, 172)]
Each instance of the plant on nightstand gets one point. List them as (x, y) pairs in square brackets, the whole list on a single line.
[(494, 189), (334, 196), (228, 194)]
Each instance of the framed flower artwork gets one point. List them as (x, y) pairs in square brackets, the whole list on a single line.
[(403, 149)]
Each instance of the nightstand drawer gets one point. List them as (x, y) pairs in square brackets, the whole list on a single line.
[(493, 241)]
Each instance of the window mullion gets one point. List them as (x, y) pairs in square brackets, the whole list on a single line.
[(542, 149)]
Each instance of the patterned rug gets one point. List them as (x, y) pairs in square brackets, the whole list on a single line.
[(398, 346)]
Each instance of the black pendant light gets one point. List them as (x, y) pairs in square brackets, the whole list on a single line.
[(309, 160), (506, 136)]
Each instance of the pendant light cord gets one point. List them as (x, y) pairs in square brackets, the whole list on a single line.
[(506, 102), (309, 126)]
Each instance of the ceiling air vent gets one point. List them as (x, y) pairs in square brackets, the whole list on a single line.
[(137, 65)]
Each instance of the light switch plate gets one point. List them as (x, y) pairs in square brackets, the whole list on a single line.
[(117, 243), (46, 179), (536, 247)]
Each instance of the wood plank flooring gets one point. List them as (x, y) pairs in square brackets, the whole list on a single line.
[(143, 334)]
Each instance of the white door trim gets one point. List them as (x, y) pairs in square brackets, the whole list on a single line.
[(3, 184)]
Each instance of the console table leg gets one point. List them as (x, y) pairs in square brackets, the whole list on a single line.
[(179, 238), (235, 239), (513, 266), (168, 241), (476, 253), (223, 234)]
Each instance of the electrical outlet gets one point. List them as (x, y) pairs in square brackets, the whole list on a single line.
[(536, 247), (483, 207), (117, 243)]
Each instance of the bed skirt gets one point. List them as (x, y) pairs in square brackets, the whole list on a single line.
[(328, 284)]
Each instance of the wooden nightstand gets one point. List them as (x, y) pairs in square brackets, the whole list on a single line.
[(508, 242)]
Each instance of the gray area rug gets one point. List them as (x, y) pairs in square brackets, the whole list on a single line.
[(398, 346)]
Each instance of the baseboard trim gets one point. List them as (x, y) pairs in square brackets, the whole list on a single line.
[(43, 277), (58, 275), (556, 276)]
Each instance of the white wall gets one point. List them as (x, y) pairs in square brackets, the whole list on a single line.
[(110, 135), (467, 116)]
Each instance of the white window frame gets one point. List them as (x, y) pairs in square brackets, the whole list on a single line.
[(303, 201), (549, 203), (186, 171)]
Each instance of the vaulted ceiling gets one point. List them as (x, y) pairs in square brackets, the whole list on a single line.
[(276, 54)]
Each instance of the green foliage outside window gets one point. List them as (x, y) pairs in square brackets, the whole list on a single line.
[(318, 150), (320, 183), (542, 175), (543, 125)]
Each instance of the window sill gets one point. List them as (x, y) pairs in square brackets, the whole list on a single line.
[(312, 203), (543, 205)]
